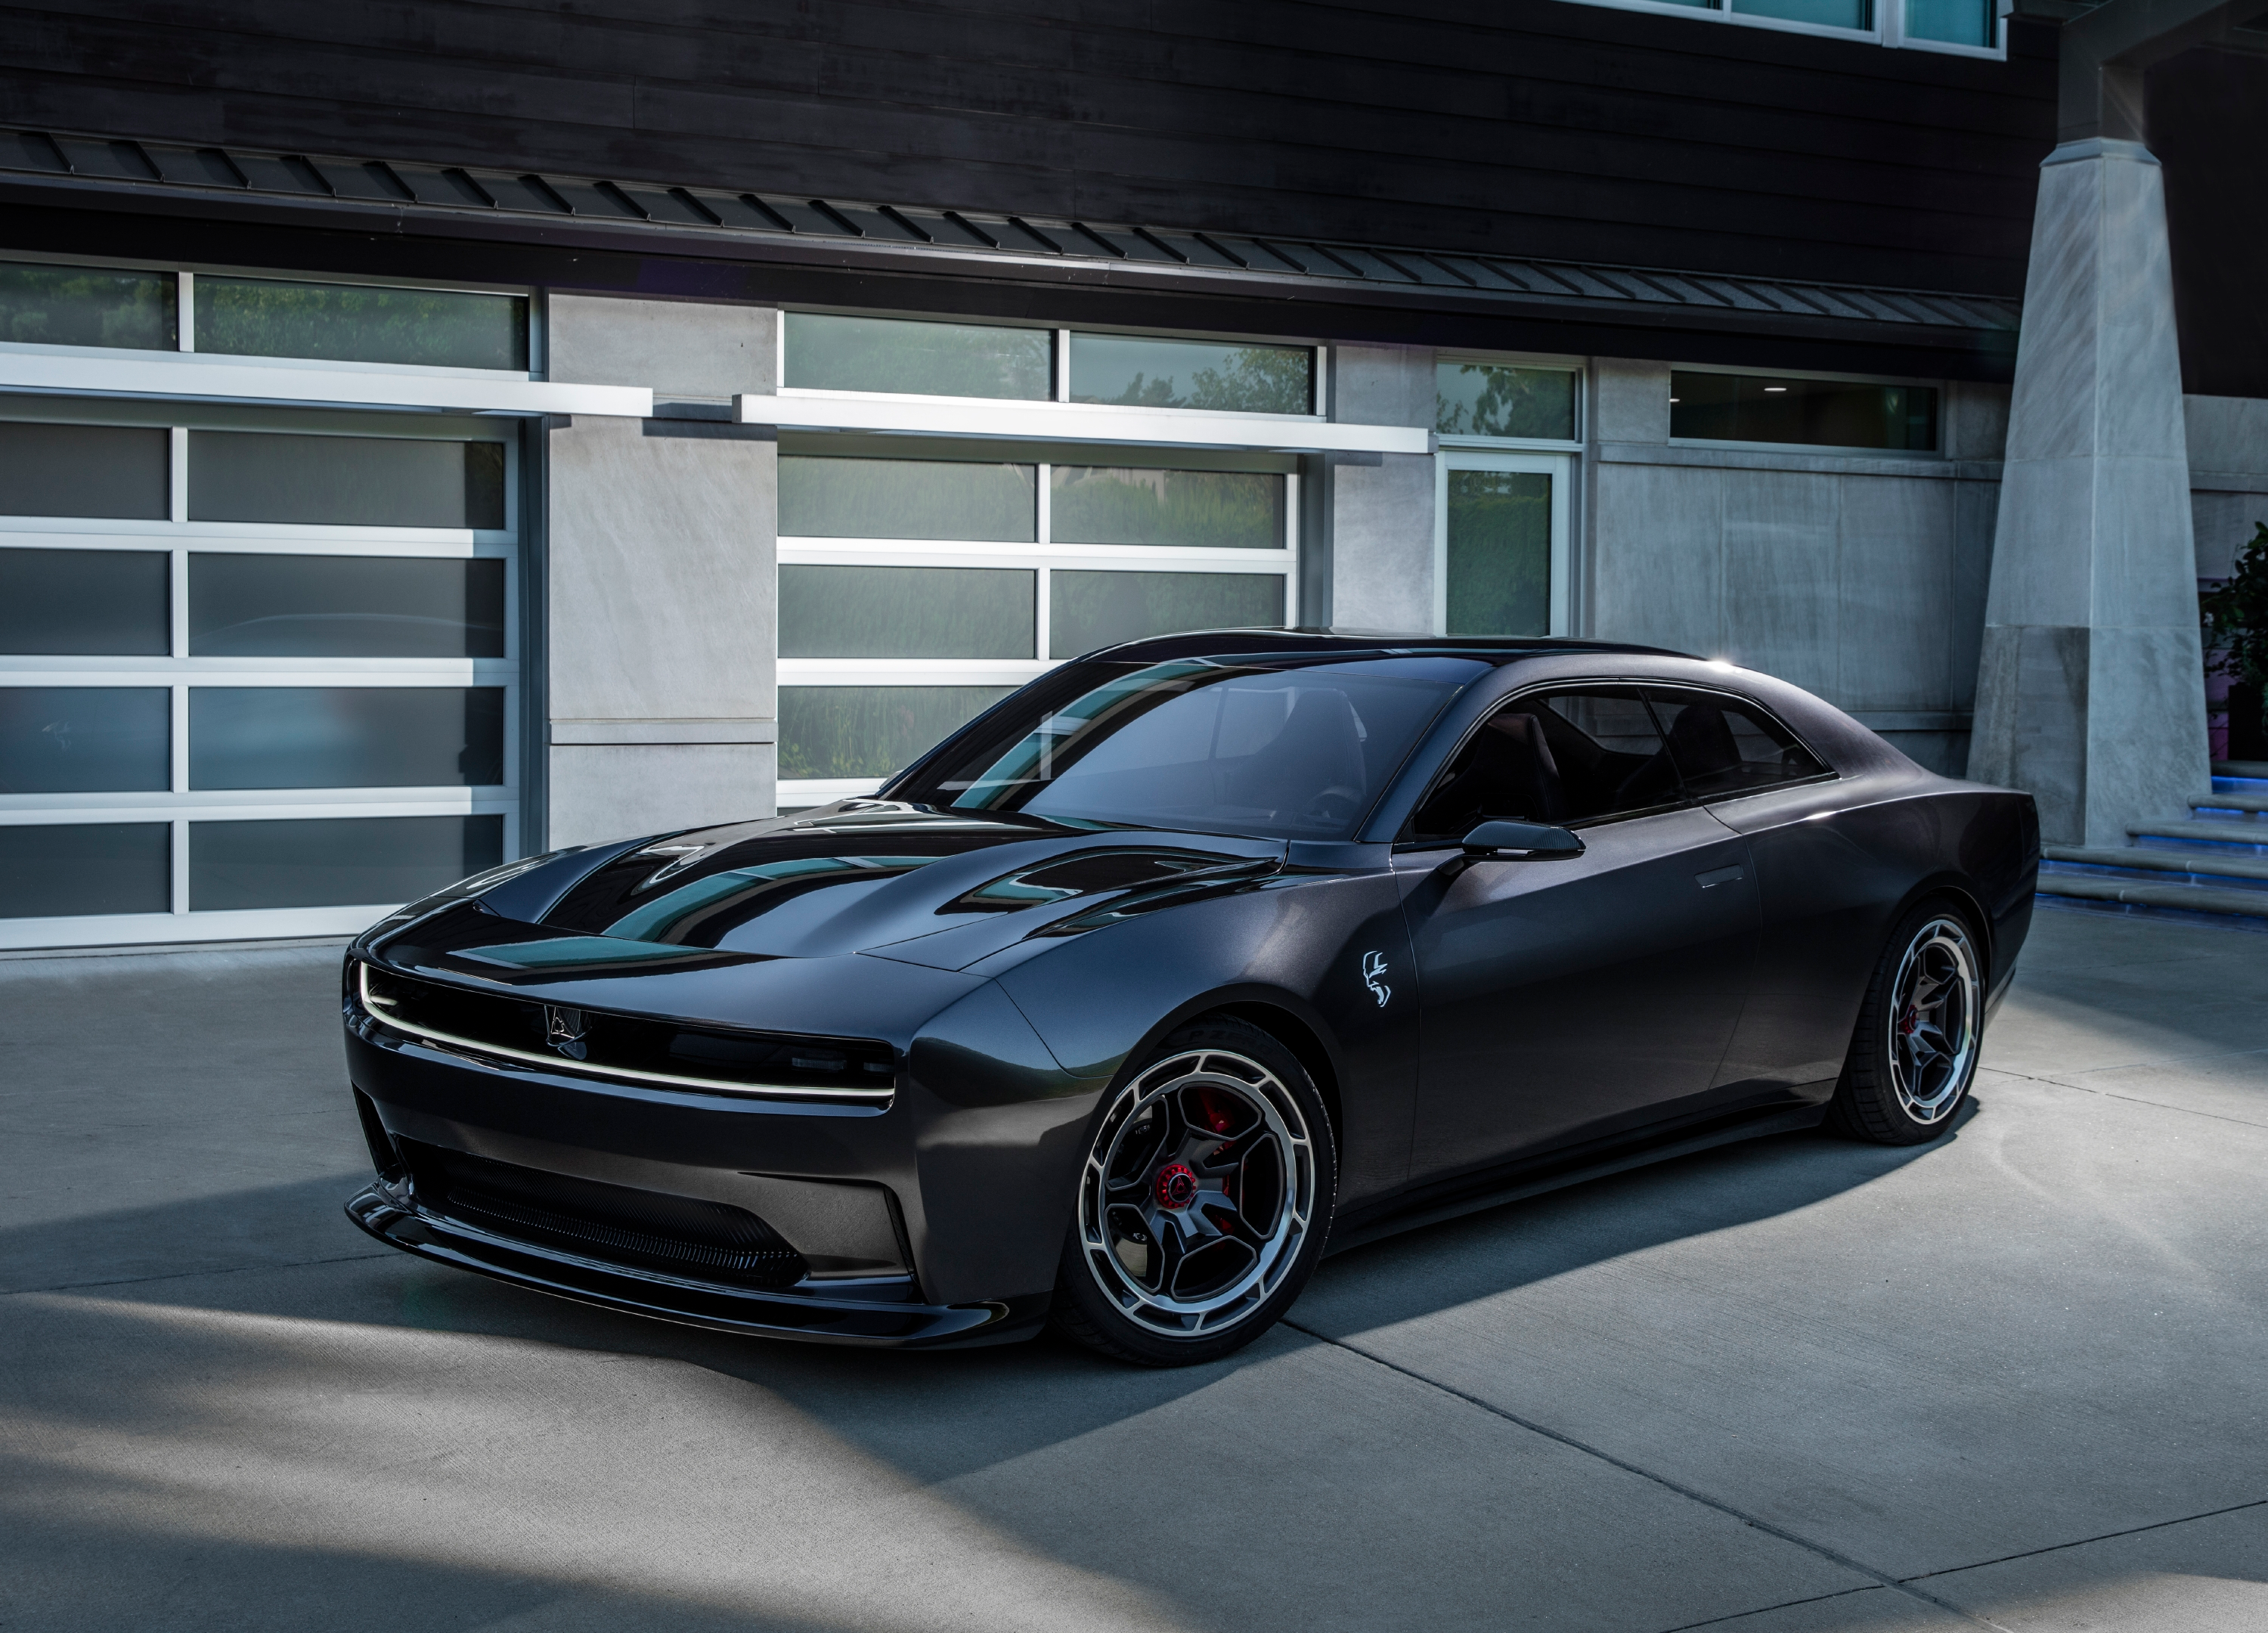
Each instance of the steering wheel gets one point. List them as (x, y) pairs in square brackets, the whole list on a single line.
[(1334, 807)]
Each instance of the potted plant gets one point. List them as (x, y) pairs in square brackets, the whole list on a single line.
[(2237, 644)]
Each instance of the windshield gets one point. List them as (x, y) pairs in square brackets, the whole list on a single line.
[(1274, 748)]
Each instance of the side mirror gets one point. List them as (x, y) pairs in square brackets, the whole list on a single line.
[(1523, 842)]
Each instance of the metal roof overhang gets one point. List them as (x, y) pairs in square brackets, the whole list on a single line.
[(811, 242)]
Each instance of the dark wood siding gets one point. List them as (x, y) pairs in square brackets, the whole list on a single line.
[(1528, 127)]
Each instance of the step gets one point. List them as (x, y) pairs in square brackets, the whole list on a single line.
[(2163, 862), (2230, 800), (2242, 904), (2254, 770), (2234, 836)]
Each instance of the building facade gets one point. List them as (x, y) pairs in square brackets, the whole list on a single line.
[(435, 437)]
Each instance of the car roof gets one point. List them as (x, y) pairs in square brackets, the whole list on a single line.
[(1369, 643)]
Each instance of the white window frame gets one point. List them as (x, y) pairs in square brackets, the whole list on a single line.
[(1824, 449), (180, 672), (1888, 28), (1555, 362), (1560, 466), (1042, 557)]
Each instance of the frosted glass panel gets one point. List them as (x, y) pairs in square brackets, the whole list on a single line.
[(870, 730), (83, 470), (1955, 22), (1825, 14), (336, 861), (1223, 510), (828, 353), (85, 739), (1139, 370), (257, 316), (906, 612), (84, 602), (1090, 609), (70, 870), (1499, 553), (87, 306), (344, 606), (1498, 399), (368, 482), (831, 498), (346, 736)]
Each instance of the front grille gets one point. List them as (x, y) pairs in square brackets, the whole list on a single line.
[(618, 1224), (633, 1047)]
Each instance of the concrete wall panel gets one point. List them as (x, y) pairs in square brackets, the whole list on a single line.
[(683, 350), (1899, 545), (1383, 544), (1780, 575), (617, 790), (1657, 556)]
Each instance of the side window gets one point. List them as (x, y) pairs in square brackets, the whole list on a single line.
[(1558, 757), (1724, 747)]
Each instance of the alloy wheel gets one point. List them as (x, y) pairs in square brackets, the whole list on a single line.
[(1934, 1011), (1198, 1193)]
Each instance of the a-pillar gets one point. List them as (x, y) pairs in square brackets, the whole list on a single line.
[(2090, 688)]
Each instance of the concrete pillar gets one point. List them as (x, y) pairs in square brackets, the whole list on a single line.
[(2090, 687), (1382, 504), (661, 574)]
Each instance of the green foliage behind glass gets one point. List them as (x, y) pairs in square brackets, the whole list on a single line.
[(1499, 527), (870, 730), (1139, 371), (86, 306), (440, 328), (2236, 617), (824, 497), (1498, 399), (1225, 510), (829, 353)]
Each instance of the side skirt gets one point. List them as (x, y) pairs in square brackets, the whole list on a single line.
[(1532, 1180)]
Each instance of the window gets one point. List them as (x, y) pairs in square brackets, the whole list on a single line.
[(1500, 533), (1560, 758), (1832, 414), (42, 305), (1724, 748), (1504, 399), (1275, 749), (1969, 27), (254, 662), (361, 323), (1144, 371), (825, 352), (914, 592)]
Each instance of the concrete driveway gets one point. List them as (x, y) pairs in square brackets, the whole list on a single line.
[(2016, 1379)]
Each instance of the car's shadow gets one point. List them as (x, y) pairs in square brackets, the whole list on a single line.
[(935, 1414)]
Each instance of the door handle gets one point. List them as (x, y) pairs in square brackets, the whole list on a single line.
[(1716, 876)]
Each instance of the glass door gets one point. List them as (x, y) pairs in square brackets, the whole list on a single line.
[(1500, 544)]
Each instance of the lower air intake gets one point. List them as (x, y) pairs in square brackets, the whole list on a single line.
[(617, 1223)]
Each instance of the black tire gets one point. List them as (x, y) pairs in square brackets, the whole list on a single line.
[(1913, 1054), (1150, 1271)]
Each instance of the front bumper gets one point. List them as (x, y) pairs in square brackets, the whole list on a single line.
[(388, 1212)]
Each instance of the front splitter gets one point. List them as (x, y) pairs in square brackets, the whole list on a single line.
[(809, 1319)]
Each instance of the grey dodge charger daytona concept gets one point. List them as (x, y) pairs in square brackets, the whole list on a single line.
[(1183, 963)]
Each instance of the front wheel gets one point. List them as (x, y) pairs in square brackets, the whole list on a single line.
[(1914, 1053), (1203, 1202)]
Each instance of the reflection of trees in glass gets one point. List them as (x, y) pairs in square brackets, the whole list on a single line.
[(443, 328), (905, 612), (830, 353), (1499, 564), (1087, 610), (1130, 371), (824, 497), (870, 730), (1494, 399), (1228, 509), (80, 307)]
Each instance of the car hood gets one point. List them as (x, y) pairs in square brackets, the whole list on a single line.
[(932, 888)]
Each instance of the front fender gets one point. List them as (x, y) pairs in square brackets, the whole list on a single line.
[(1297, 944)]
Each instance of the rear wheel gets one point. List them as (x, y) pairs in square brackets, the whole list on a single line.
[(1203, 1201), (1914, 1053)]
